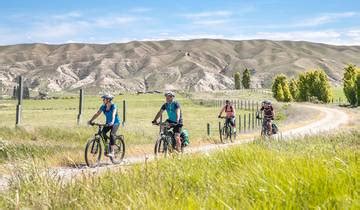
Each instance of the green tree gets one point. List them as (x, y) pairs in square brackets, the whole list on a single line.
[(246, 79), (279, 92), (294, 90), (278, 83), (303, 87), (237, 80), (349, 83), (26, 94), (287, 94), (314, 84), (358, 87)]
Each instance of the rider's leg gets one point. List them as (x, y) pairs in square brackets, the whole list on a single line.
[(178, 142), (177, 131), (105, 130), (114, 129), (269, 127)]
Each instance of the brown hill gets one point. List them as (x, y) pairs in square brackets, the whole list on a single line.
[(195, 65)]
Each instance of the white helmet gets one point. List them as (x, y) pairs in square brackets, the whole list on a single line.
[(169, 93), (107, 96)]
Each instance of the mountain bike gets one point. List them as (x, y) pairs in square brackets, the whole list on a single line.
[(94, 146), (227, 132), (265, 129), (166, 143)]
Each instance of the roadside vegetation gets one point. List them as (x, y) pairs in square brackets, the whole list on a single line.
[(311, 173)]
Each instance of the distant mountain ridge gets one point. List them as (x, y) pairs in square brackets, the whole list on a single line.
[(196, 65)]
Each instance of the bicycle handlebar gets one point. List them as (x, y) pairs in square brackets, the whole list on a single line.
[(165, 124)]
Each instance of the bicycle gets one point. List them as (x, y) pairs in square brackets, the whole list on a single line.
[(265, 130), (166, 143), (227, 131), (93, 147)]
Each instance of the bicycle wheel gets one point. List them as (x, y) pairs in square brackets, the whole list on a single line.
[(119, 150), (232, 134), (93, 151), (221, 130), (161, 147)]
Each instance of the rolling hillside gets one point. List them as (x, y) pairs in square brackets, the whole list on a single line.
[(197, 65)]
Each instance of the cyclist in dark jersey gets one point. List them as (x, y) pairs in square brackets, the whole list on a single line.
[(112, 121), (229, 110), (173, 110), (269, 114)]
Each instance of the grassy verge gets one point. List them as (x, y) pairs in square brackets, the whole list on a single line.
[(314, 172)]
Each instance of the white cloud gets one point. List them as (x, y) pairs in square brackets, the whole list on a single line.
[(211, 22), (209, 14), (325, 18)]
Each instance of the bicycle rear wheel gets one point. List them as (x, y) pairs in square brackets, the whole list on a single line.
[(119, 150), (93, 151)]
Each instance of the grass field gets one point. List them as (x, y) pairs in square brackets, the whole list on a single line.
[(311, 173), (49, 129)]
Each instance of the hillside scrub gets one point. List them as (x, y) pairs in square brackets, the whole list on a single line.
[(311, 173)]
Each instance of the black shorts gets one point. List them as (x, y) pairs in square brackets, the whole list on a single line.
[(231, 121), (177, 128)]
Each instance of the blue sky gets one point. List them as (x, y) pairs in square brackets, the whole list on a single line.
[(107, 21)]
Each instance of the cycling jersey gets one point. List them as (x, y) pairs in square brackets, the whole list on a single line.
[(229, 110), (109, 114), (171, 111)]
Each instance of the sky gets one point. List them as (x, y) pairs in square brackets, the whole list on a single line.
[(110, 21)]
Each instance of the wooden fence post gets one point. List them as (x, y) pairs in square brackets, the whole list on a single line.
[(124, 113), (244, 122), (249, 121), (208, 129), (19, 105), (253, 121), (81, 106), (239, 123)]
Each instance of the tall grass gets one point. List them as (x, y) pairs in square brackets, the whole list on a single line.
[(310, 173)]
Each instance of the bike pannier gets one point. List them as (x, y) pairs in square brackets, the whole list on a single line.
[(274, 128), (185, 136)]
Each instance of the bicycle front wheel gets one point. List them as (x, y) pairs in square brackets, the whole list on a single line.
[(161, 147), (119, 150), (93, 151)]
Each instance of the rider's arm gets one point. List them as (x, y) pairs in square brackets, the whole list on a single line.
[(234, 111), (113, 115), (177, 115), (273, 113), (221, 111), (158, 115), (95, 115)]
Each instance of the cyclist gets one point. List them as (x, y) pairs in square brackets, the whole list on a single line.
[(230, 114), (269, 114), (112, 121), (173, 110)]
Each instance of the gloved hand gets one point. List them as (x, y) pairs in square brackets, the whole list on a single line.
[(90, 122), (153, 122), (219, 116)]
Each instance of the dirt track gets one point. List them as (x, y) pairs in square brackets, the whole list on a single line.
[(332, 119)]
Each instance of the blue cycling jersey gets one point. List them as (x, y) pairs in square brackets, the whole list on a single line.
[(109, 114)]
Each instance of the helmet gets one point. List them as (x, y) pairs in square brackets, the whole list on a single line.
[(227, 101), (107, 96), (266, 102), (169, 93)]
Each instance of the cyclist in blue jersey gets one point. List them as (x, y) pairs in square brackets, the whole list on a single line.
[(112, 120), (173, 110)]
